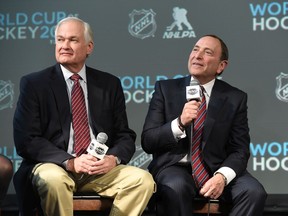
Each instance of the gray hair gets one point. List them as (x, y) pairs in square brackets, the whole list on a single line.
[(88, 33)]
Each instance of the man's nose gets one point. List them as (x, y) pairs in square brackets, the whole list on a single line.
[(66, 44), (199, 54)]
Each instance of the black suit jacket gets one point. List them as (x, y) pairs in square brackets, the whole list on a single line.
[(225, 137), (43, 117)]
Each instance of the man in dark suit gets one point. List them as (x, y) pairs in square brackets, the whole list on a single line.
[(44, 133), (224, 144)]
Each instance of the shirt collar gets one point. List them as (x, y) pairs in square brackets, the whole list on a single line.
[(67, 74), (208, 86)]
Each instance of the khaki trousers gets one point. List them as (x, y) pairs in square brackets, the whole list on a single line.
[(131, 188)]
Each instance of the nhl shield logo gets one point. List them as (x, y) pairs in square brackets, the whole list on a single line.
[(6, 94), (140, 159), (282, 87), (142, 23)]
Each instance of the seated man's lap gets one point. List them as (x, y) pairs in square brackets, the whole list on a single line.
[(52, 175), (176, 182), (244, 187), (120, 176)]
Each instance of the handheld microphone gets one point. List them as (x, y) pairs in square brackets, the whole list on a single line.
[(194, 91), (102, 138), (97, 147)]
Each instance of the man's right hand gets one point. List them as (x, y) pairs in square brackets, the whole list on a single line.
[(81, 164), (189, 112)]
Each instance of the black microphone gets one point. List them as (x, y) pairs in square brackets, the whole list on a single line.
[(97, 147), (194, 91)]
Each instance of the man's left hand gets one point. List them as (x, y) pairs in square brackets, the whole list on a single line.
[(103, 166), (214, 187)]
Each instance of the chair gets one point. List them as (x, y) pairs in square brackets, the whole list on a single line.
[(210, 207), (91, 202), (88, 202), (94, 202), (202, 206)]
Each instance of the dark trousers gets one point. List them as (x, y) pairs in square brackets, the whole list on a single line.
[(176, 190)]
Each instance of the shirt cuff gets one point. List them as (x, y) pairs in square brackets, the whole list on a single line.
[(228, 173), (178, 134), (65, 164)]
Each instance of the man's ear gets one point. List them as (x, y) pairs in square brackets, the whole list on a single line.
[(90, 48), (222, 65)]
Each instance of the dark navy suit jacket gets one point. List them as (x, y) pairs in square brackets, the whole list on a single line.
[(43, 117), (225, 137)]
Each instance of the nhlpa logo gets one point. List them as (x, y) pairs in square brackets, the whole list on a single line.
[(282, 87), (142, 23), (181, 27), (6, 94)]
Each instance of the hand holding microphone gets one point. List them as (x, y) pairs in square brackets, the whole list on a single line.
[(193, 96), (194, 91), (97, 147), (84, 164)]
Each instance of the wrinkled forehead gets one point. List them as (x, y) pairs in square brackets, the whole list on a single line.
[(208, 42)]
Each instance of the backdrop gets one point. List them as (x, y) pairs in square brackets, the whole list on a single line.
[(144, 41)]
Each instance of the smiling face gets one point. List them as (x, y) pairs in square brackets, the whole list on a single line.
[(205, 59), (71, 47)]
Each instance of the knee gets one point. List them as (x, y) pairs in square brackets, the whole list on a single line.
[(171, 191), (177, 186), (256, 193), (148, 182), (144, 181), (53, 181), (260, 194), (6, 167)]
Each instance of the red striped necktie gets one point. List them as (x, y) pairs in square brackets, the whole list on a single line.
[(199, 171), (79, 117)]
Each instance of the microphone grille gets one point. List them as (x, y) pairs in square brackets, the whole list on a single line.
[(194, 82), (102, 137)]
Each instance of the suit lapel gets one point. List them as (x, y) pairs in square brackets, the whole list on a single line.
[(217, 101), (95, 98), (58, 86)]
